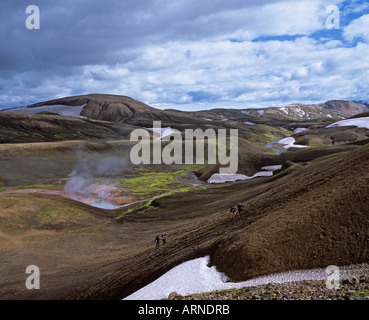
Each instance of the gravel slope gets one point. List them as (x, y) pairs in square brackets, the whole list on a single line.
[(355, 288)]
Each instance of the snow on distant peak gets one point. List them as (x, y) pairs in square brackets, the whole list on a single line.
[(284, 110), (300, 112), (357, 122)]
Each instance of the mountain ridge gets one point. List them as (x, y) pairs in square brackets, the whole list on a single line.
[(124, 109)]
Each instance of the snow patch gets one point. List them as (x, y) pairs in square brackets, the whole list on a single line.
[(289, 142), (195, 276), (300, 112), (357, 122), (272, 168), (249, 123), (298, 130), (62, 110), (284, 110), (222, 178)]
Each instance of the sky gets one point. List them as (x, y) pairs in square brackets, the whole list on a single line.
[(185, 54)]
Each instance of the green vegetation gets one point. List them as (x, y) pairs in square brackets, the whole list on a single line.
[(151, 182), (361, 294)]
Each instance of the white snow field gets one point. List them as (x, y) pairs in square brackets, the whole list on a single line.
[(195, 276), (289, 142), (357, 122), (62, 110)]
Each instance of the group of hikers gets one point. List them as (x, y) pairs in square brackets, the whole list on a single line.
[(157, 239), (239, 208)]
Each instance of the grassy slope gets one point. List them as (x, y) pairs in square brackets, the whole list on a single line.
[(18, 127)]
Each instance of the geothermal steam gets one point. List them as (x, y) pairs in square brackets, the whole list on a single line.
[(85, 179)]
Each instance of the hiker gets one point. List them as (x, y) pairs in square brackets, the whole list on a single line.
[(164, 237), (233, 210), (157, 241), (239, 206)]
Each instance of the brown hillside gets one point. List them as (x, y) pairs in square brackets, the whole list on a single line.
[(22, 127), (347, 108), (105, 107), (312, 219)]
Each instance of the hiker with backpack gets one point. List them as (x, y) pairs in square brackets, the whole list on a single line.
[(239, 207), (233, 211), (164, 237), (157, 241)]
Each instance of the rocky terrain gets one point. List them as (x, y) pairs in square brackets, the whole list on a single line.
[(355, 288)]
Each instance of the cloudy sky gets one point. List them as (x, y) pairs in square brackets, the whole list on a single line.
[(186, 54)]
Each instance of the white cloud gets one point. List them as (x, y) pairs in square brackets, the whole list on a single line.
[(358, 28), (178, 54)]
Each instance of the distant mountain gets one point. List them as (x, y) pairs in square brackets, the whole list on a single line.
[(106, 107), (297, 111), (123, 109), (347, 108), (364, 103)]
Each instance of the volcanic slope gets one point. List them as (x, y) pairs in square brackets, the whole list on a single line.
[(311, 216), (314, 217)]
